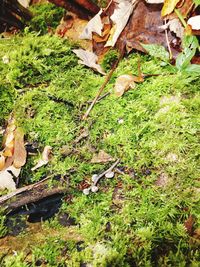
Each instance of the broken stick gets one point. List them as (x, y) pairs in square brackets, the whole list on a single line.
[(108, 77)]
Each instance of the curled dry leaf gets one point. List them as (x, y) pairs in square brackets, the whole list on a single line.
[(19, 149), (194, 22), (6, 178), (123, 84), (44, 159), (94, 25), (120, 18), (189, 224), (88, 59), (101, 157)]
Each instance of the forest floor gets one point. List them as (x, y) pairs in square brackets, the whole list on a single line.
[(149, 213)]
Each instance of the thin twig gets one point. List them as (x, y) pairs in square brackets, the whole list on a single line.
[(100, 98), (108, 170), (108, 77), (168, 44)]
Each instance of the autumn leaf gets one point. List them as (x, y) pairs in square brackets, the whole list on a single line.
[(19, 149), (189, 224), (119, 18), (44, 159), (168, 7), (123, 84), (94, 25), (101, 157), (88, 59), (2, 162)]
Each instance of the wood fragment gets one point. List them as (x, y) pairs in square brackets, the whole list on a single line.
[(29, 194)]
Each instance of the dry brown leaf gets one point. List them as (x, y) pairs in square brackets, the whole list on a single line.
[(106, 31), (123, 84), (101, 157), (44, 159), (88, 59), (189, 224), (19, 149), (120, 18), (94, 25)]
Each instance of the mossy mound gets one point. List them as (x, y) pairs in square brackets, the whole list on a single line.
[(136, 219)]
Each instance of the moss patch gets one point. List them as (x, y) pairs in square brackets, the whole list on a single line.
[(153, 129)]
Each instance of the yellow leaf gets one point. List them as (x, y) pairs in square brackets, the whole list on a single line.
[(168, 7), (2, 162)]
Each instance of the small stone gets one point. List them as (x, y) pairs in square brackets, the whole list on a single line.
[(86, 191), (94, 188), (5, 59), (109, 175), (95, 177), (120, 121)]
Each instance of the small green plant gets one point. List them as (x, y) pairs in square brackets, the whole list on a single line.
[(190, 46)]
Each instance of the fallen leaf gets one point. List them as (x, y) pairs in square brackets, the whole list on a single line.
[(94, 25), (189, 224), (194, 22), (168, 7), (65, 24), (2, 162), (174, 26), (19, 149), (120, 18), (101, 157), (6, 178), (88, 59), (44, 159), (123, 84), (104, 36)]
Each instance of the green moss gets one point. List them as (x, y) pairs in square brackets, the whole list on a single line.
[(153, 129), (109, 59), (45, 16)]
